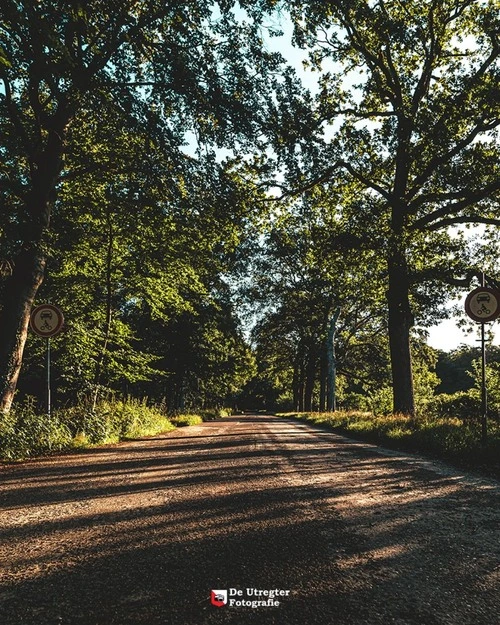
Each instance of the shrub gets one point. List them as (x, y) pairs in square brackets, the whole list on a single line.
[(210, 414), (186, 419), (449, 437), (24, 433), (465, 405)]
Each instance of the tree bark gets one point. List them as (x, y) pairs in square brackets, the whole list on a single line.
[(109, 313), (400, 323), (20, 292), (323, 369), (300, 385), (298, 379), (310, 378), (332, 363)]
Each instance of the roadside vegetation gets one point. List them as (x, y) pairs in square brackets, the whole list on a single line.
[(221, 228), (447, 438), (25, 433)]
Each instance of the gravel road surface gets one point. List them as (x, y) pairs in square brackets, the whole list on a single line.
[(267, 509)]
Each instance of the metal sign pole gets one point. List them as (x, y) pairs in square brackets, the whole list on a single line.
[(48, 379), (484, 396), (483, 305)]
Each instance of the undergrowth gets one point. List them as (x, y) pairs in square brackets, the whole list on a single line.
[(186, 419), (447, 438), (24, 433)]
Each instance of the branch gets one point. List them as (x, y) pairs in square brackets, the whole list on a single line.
[(366, 181), (325, 177), (443, 158), (450, 209), (425, 275), (287, 192), (373, 60), (444, 223), (363, 115), (13, 111), (481, 125), (430, 55)]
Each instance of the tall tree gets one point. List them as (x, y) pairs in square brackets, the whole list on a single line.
[(140, 238), (410, 93), (172, 66), (305, 274)]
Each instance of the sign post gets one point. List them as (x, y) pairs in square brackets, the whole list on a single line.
[(483, 305), (47, 320)]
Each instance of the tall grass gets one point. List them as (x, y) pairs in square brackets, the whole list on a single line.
[(448, 438), (24, 433)]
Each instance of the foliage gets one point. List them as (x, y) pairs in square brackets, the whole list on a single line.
[(25, 433), (402, 135), (98, 103), (114, 420), (446, 437), (113, 192), (215, 413), (204, 358), (186, 419), (301, 273), (139, 309), (464, 405), (454, 369)]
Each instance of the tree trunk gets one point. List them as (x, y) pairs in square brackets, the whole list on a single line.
[(332, 363), (295, 385), (400, 323), (323, 370), (19, 295), (29, 270), (300, 386), (298, 379), (310, 379), (109, 312)]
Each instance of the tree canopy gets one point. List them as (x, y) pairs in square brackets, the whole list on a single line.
[(157, 155), (404, 130)]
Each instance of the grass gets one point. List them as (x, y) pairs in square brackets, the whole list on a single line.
[(24, 433), (445, 438), (186, 419)]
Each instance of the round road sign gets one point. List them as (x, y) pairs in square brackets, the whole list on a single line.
[(483, 304), (46, 320)]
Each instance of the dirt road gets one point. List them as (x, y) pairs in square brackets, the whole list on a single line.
[(264, 509)]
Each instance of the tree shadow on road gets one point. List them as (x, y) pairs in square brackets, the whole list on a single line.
[(140, 537)]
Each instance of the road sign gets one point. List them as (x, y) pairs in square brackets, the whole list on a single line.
[(46, 320), (483, 304)]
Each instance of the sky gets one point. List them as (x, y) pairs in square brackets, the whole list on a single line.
[(447, 335)]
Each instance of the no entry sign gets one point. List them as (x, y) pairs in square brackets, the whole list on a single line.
[(46, 320)]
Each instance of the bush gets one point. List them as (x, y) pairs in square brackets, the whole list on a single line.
[(186, 419), (25, 434), (464, 405), (215, 413), (445, 437)]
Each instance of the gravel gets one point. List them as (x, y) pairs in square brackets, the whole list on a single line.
[(140, 533)]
